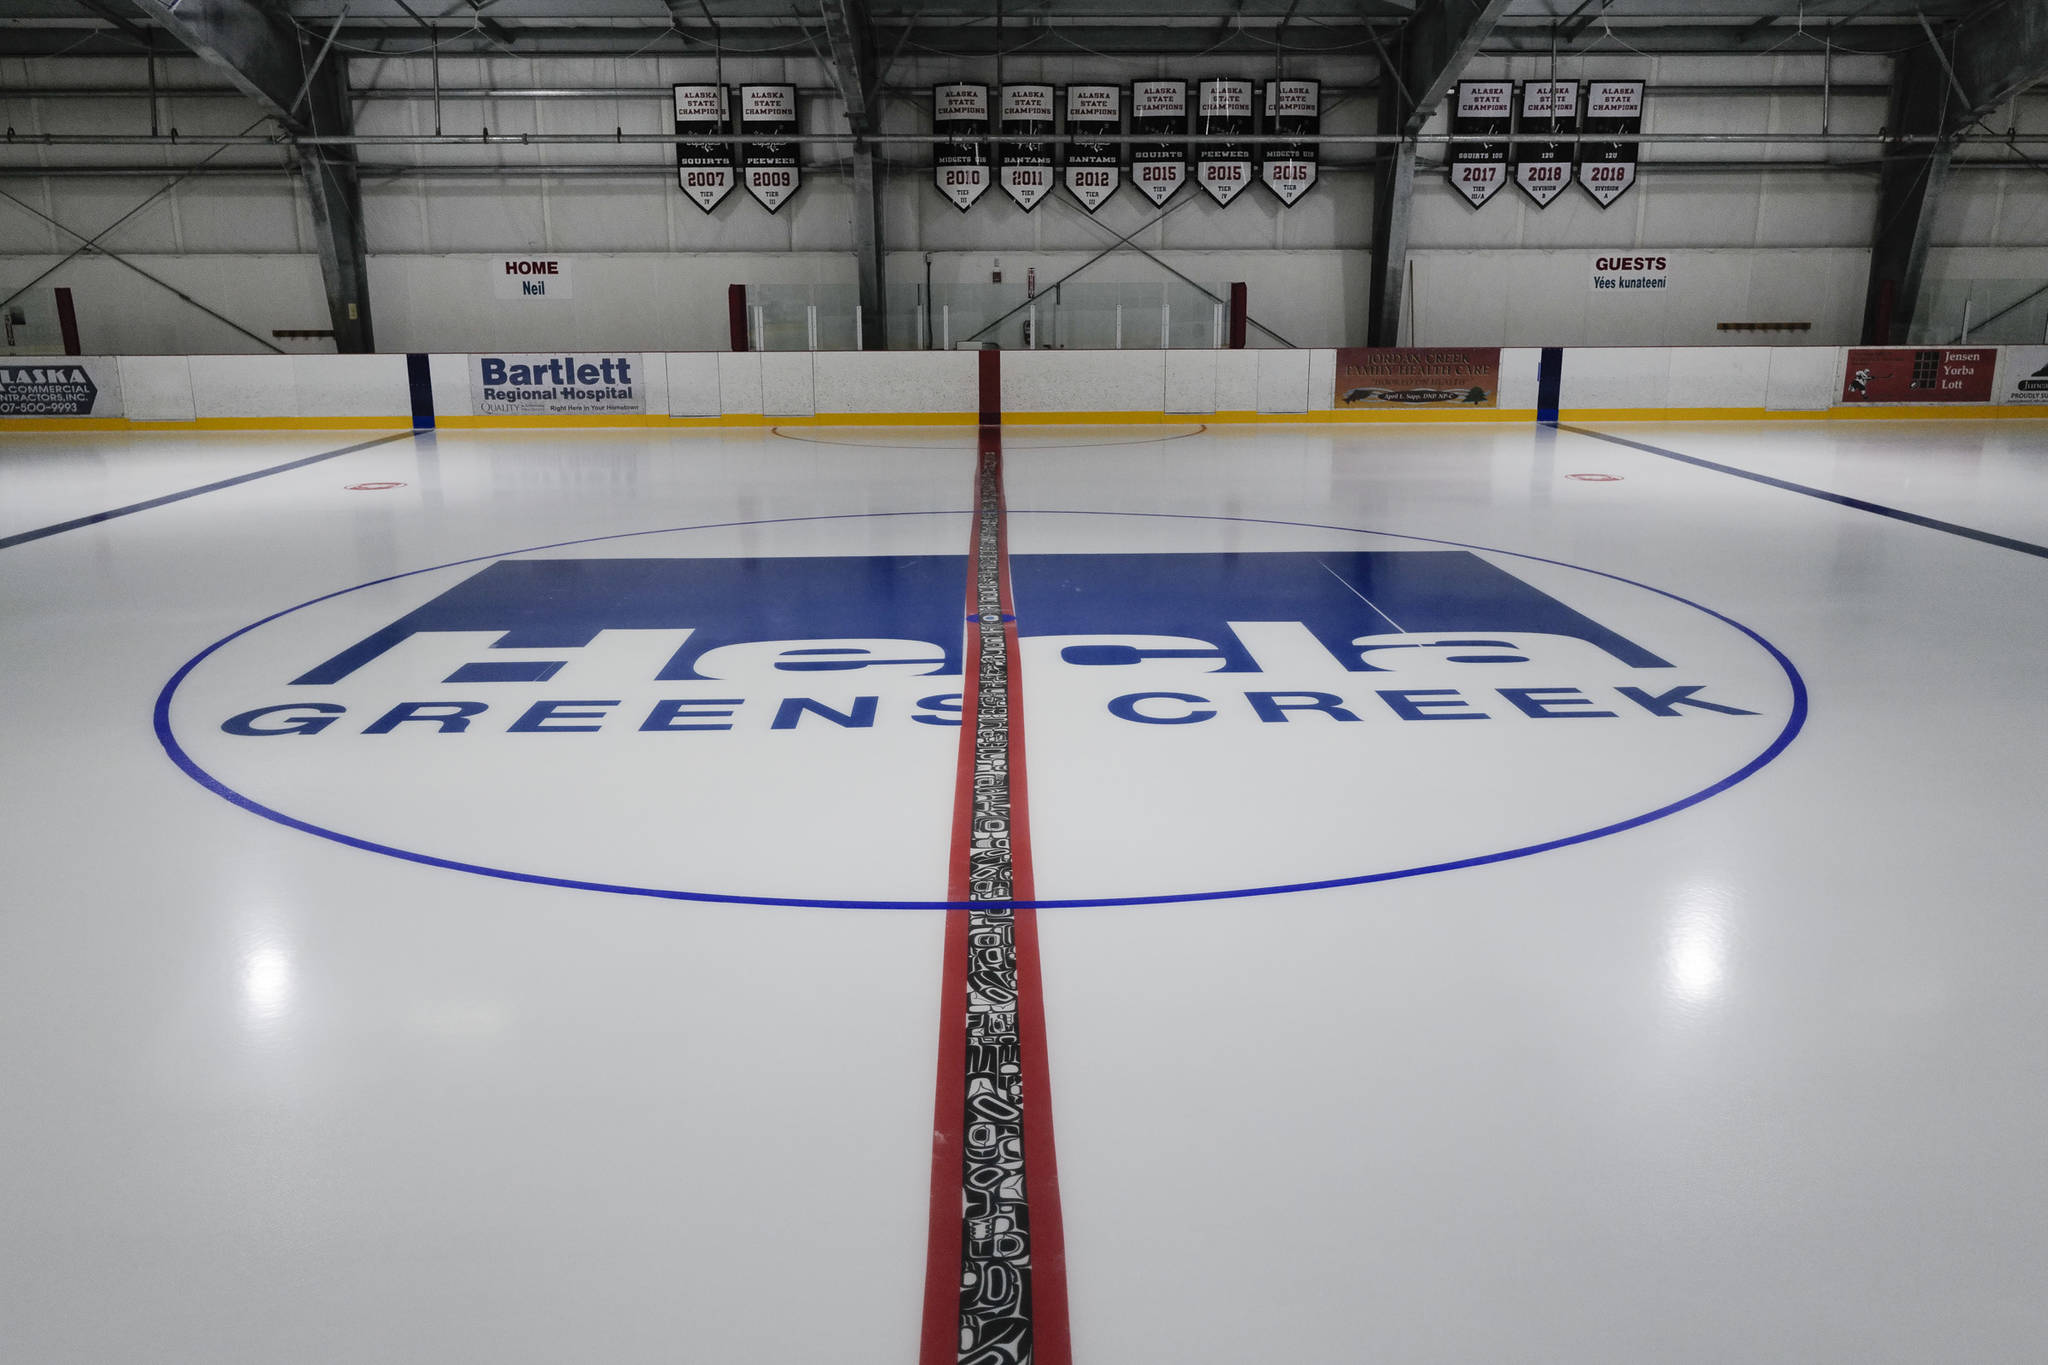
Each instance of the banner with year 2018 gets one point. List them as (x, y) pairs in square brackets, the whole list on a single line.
[(1159, 109), (1544, 149), (704, 170), (960, 165), (769, 169), (1223, 110), (1607, 169), (1093, 168), (1023, 115), (1481, 109), (1293, 109)]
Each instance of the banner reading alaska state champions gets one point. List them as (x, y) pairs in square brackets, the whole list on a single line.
[(1418, 377), (526, 385)]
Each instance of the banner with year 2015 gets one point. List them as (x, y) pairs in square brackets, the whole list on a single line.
[(1543, 155), (769, 169), (960, 164), (1607, 169), (1293, 109), (1159, 109), (704, 170), (1093, 168), (1223, 110)]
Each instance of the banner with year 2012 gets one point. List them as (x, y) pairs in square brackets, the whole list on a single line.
[(704, 170), (960, 165), (770, 169), (1093, 168)]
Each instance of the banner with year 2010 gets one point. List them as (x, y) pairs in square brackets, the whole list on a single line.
[(769, 169), (1093, 168), (1159, 109), (1544, 152), (960, 168), (704, 170), (1025, 112), (1484, 109), (1223, 110), (1607, 169), (1293, 109)]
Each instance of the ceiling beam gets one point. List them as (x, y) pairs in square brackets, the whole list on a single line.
[(1435, 47), (1998, 53), (856, 70)]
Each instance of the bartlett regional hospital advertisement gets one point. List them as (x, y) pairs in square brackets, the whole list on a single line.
[(540, 385)]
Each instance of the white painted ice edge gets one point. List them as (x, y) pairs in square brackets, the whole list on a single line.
[(750, 388)]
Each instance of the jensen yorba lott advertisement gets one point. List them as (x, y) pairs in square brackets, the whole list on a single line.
[(1930, 374), (60, 386), (1418, 376), (557, 385)]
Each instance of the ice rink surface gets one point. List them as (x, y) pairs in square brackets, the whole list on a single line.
[(1682, 1004)]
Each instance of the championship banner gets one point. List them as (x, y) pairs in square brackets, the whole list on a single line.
[(769, 168), (1293, 109), (1093, 168), (1607, 169), (960, 169), (1025, 111), (1930, 374), (1223, 109), (1543, 168), (1159, 109), (60, 386), (2026, 374), (557, 385), (703, 169), (1479, 169), (1418, 377)]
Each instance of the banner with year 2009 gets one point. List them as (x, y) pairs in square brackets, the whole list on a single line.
[(770, 169), (1093, 168)]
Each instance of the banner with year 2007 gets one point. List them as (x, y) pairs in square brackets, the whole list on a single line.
[(770, 169), (704, 170), (1093, 168)]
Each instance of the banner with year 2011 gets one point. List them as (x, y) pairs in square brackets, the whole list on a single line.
[(1607, 169), (1223, 110), (1481, 109), (1544, 152), (1023, 115), (770, 169), (1093, 168), (1159, 109), (704, 170), (1293, 109), (960, 165)]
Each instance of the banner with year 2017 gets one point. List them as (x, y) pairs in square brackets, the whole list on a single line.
[(1223, 111), (1024, 114), (960, 165), (1481, 108), (1293, 109), (1607, 169), (704, 170), (1093, 168), (769, 169), (1159, 109), (1544, 150)]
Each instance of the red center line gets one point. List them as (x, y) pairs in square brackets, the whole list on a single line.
[(995, 1275)]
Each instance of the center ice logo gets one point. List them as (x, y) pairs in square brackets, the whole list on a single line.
[(1259, 717)]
